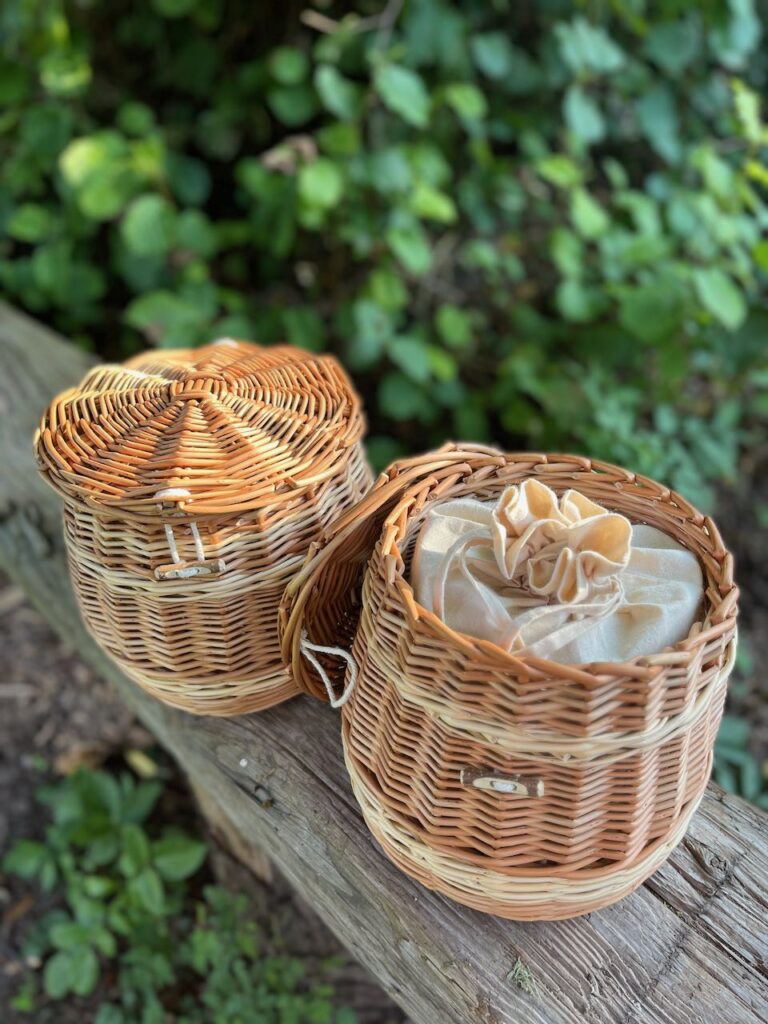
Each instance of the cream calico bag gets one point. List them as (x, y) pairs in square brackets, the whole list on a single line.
[(531, 652)]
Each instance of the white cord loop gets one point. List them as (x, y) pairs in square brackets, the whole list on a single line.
[(307, 650)]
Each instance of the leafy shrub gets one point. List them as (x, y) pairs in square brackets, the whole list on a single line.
[(536, 223), (131, 919)]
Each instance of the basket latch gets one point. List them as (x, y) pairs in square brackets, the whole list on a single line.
[(179, 568), (496, 782)]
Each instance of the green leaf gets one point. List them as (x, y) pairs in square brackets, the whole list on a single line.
[(492, 53), (337, 94), (190, 179), (178, 857), (139, 801), (588, 216), (654, 311), (404, 92), (577, 302), (135, 848), (381, 451), (287, 65), (399, 398), (560, 170), (431, 204), (721, 297), (733, 731), (195, 233), (30, 222), (26, 858), (58, 976), (454, 326), (410, 245), (293, 105), (567, 252), (135, 118), (673, 45), (84, 966), (466, 100), (321, 183), (148, 226), (70, 935), (657, 116), (174, 8), (582, 115), (64, 72), (148, 889), (386, 288), (411, 355), (373, 329), (587, 47), (162, 313)]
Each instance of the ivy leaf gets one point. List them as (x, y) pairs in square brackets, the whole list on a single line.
[(404, 92), (654, 311), (57, 975), (84, 966), (287, 65), (721, 297), (582, 115), (148, 889), (589, 218), (411, 355), (673, 44), (588, 47), (411, 247), (178, 857), (30, 222), (148, 225), (321, 184), (337, 94), (466, 100), (431, 204), (657, 116), (492, 53)]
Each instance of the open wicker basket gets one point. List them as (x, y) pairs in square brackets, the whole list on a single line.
[(516, 785), (193, 483)]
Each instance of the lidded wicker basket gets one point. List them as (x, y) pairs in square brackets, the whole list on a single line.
[(516, 785), (194, 482)]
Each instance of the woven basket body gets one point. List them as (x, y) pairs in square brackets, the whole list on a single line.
[(194, 482), (512, 784)]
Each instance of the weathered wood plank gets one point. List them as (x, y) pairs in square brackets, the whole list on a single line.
[(688, 948)]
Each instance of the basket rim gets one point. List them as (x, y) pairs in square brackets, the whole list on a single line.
[(405, 483), (226, 428)]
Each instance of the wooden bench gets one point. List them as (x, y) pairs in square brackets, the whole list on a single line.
[(689, 947)]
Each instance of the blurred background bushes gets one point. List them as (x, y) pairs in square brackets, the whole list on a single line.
[(541, 224)]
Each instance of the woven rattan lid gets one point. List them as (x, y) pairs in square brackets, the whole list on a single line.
[(213, 430)]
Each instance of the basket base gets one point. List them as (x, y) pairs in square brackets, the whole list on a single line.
[(225, 698), (519, 897)]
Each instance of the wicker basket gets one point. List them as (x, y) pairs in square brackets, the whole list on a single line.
[(193, 483), (516, 785)]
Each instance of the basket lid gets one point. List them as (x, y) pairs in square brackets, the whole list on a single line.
[(227, 427)]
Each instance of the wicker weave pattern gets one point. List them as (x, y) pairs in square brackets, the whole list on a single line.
[(612, 759), (257, 450)]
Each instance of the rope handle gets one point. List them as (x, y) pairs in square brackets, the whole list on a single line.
[(309, 649), (179, 568)]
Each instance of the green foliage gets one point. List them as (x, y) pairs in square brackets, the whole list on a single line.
[(132, 922), (537, 224)]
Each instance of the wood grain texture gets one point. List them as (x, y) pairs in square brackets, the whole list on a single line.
[(689, 947)]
